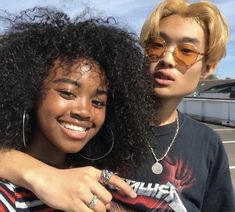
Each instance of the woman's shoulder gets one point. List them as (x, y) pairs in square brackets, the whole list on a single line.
[(7, 196)]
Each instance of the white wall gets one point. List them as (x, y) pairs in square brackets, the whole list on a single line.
[(214, 110)]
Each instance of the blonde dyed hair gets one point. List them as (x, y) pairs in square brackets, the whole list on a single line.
[(204, 13)]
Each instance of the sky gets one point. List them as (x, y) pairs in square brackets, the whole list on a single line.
[(132, 13)]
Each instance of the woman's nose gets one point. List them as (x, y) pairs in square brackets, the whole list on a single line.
[(82, 109)]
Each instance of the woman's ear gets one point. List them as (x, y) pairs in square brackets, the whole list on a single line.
[(208, 70)]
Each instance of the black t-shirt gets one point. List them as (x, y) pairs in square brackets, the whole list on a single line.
[(195, 175)]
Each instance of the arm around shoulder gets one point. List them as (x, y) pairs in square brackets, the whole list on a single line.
[(20, 168)]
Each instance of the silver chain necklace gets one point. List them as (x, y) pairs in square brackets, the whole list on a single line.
[(157, 167)]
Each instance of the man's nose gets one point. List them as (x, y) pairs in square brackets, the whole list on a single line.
[(168, 57)]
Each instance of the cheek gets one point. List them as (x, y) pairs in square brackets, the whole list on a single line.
[(152, 67), (100, 117), (192, 78), (196, 72), (44, 115), (51, 106)]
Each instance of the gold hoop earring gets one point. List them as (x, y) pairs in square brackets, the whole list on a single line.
[(110, 149), (23, 131)]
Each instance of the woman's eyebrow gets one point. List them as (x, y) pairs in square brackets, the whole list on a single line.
[(66, 80), (100, 91)]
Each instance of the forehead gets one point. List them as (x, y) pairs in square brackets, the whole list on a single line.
[(177, 28), (77, 70)]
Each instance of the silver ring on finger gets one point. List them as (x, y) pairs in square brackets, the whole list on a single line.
[(105, 176), (93, 202)]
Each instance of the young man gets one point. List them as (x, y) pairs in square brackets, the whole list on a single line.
[(186, 168)]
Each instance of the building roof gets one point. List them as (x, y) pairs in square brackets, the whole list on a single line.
[(216, 86)]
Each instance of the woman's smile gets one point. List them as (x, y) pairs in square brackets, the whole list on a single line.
[(74, 132), (73, 108)]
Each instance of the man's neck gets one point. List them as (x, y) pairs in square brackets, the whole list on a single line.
[(168, 110)]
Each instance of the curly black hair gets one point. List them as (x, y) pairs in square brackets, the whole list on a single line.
[(39, 36)]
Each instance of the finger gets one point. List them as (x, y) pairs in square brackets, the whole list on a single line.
[(96, 188), (79, 206), (121, 185), (105, 176), (87, 191), (82, 207), (116, 181), (93, 203)]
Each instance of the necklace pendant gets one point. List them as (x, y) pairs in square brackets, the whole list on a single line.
[(157, 168)]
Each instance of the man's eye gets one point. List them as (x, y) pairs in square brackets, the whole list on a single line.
[(98, 103), (187, 51), (157, 45), (66, 94)]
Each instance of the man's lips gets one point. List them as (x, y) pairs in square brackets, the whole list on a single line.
[(162, 78)]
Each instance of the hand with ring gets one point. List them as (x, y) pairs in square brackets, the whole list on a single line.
[(77, 189), (105, 176)]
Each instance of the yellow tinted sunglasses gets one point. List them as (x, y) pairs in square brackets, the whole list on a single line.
[(185, 54)]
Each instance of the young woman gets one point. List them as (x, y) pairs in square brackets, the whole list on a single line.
[(73, 93)]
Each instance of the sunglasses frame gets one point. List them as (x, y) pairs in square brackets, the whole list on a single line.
[(150, 41)]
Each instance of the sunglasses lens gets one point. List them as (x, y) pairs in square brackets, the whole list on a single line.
[(185, 54), (155, 48)]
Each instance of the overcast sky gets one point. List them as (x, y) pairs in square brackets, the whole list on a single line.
[(131, 13)]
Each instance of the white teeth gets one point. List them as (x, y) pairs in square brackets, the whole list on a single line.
[(73, 127)]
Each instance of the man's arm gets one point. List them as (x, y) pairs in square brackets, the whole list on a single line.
[(62, 189)]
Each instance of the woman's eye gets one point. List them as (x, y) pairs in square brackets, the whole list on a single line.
[(98, 103), (67, 94)]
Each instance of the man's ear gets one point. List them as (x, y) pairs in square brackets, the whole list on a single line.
[(208, 70)]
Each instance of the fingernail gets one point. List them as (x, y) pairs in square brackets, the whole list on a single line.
[(133, 194), (108, 206)]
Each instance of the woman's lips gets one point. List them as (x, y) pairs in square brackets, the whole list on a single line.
[(74, 132)]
